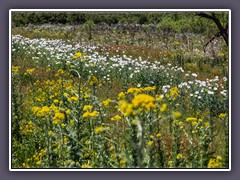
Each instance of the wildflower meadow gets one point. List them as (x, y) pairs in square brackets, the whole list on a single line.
[(118, 91)]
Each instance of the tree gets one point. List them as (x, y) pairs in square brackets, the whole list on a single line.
[(223, 31)]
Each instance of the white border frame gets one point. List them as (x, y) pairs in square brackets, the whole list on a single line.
[(116, 10)]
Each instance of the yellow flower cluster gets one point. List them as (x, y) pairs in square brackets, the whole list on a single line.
[(73, 98), (121, 95), (133, 90), (106, 102), (222, 115), (191, 119), (173, 93), (144, 101), (150, 143), (215, 162), (116, 118), (36, 158), (163, 107), (220, 53), (179, 156), (101, 129), (41, 112), (58, 117), (149, 88), (176, 114), (90, 114), (15, 69), (59, 72), (29, 71), (123, 163), (87, 107), (78, 55), (139, 90), (86, 165), (28, 128), (93, 80), (126, 108)]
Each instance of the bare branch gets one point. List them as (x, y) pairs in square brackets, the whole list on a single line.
[(212, 16), (210, 40)]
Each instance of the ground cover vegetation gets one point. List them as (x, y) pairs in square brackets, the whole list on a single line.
[(118, 90)]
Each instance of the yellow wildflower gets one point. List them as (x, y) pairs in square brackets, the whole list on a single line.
[(134, 90), (68, 111), (60, 71), (220, 53), (215, 163), (163, 107), (123, 162), (56, 101), (45, 110), (35, 109), (170, 163), (207, 124), (63, 125), (194, 131), (78, 55), (222, 115), (116, 118), (106, 102), (99, 129), (219, 158), (176, 121), (94, 113), (86, 114), (93, 80), (90, 114), (194, 123), (158, 98), (29, 71), (71, 122), (58, 117), (150, 143), (50, 133), (126, 108), (179, 156), (174, 92), (48, 69), (74, 98), (134, 122), (111, 148), (121, 95), (149, 88), (15, 69), (191, 119), (87, 107), (143, 100), (176, 114), (86, 165)]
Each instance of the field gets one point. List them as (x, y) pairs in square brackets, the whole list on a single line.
[(118, 94)]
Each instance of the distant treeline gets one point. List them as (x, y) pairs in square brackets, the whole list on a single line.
[(174, 21)]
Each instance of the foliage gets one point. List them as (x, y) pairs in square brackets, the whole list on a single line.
[(95, 100)]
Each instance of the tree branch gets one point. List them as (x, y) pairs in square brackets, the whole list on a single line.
[(212, 16), (210, 40)]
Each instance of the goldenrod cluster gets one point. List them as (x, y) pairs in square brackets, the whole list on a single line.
[(90, 114), (126, 108), (144, 101), (215, 162), (58, 117)]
